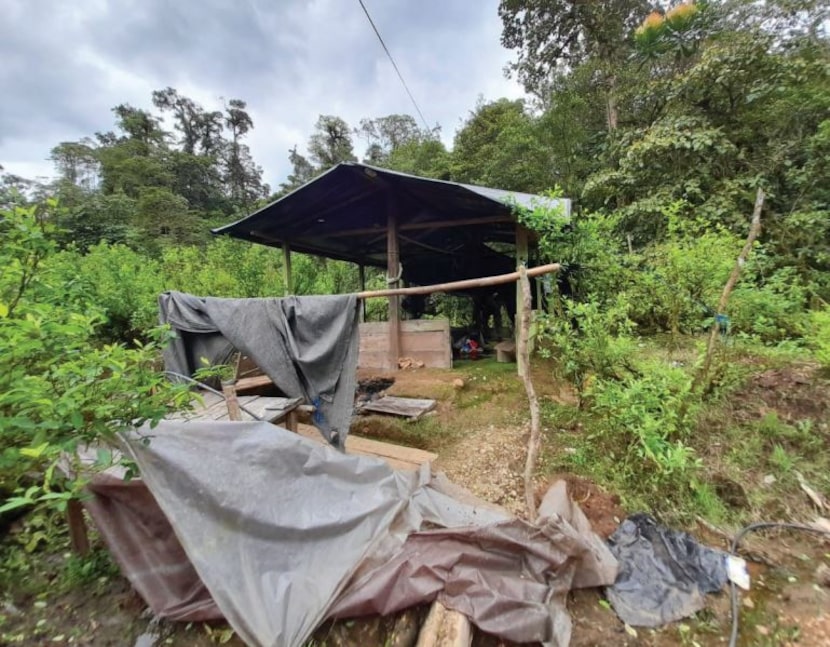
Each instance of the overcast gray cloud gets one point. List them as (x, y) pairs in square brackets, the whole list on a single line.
[(63, 65)]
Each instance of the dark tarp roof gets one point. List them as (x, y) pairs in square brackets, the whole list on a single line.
[(342, 214)]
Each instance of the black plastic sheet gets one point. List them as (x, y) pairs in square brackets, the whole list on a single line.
[(664, 574)]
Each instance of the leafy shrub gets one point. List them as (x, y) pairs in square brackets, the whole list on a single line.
[(122, 283), (589, 342), (59, 386), (818, 336), (772, 311), (652, 410)]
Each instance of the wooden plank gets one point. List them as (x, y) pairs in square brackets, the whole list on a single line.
[(253, 382), (410, 325), (403, 407), (397, 456), (423, 340)]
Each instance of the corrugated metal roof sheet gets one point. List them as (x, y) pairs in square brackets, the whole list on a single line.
[(343, 214)]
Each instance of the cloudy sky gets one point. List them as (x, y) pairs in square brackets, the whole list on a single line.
[(64, 65)]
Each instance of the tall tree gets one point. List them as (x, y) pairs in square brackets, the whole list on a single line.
[(556, 35), (497, 146), (331, 142), (242, 176), (187, 115), (302, 171), (385, 135)]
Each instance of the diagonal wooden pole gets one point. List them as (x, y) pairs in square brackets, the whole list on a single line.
[(702, 377)]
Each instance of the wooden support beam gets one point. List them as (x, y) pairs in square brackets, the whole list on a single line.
[(431, 248), (393, 265), (286, 263), (521, 259), (415, 226), (361, 277), (453, 286)]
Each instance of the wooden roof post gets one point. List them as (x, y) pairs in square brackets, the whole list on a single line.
[(361, 277), (286, 266), (393, 270), (521, 259)]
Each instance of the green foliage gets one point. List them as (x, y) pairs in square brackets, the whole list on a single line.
[(589, 342), (59, 386), (652, 410), (772, 309), (818, 337)]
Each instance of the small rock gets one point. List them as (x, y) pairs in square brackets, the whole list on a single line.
[(823, 575), (748, 603), (458, 384), (769, 479), (10, 610), (761, 629)]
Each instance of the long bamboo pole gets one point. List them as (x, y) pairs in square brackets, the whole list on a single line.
[(453, 286)]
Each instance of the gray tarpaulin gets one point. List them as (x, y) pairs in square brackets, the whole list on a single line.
[(307, 345), (284, 533)]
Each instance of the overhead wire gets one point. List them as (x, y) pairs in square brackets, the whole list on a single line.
[(395, 65)]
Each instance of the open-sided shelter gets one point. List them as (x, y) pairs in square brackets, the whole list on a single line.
[(423, 231)]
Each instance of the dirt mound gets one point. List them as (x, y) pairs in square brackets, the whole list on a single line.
[(793, 393), (602, 509)]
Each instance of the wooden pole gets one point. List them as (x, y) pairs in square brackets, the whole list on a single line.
[(754, 229), (393, 265), (78, 538), (232, 402), (535, 441), (361, 277), (286, 262), (485, 281), (521, 260)]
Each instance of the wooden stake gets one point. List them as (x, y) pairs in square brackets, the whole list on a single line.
[(460, 285), (535, 440), (232, 402), (754, 229)]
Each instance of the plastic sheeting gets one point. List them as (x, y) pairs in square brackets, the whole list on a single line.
[(307, 345), (284, 532), (664, 574)]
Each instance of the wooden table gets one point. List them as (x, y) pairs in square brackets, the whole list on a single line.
[(278, 411)]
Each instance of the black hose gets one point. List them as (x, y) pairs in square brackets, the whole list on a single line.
[(202, 385), (733, 590)]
